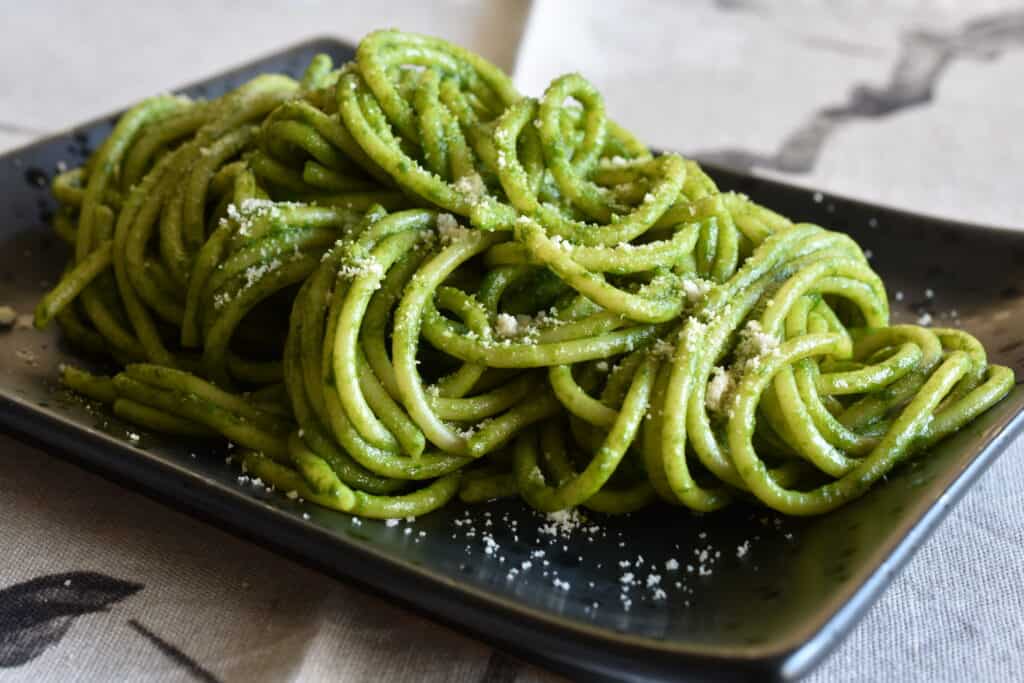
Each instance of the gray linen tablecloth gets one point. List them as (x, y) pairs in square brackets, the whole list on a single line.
[(912, 103)]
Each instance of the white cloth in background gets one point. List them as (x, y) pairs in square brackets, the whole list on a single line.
[(925, 97), (188, 602)]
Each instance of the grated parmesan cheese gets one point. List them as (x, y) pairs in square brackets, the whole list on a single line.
[(449, 229), (720, 385), (507, 325), (696, 289), (471, 185)]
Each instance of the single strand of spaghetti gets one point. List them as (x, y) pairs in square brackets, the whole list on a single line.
[(207, 260), (284, 478), (72, 283), (509, 354), (753, 220), (96, 387), (329, 180), (577, 401), (316, 471), (67, 187), (954, 339), (461, 157), (484, 405), (225, 180), (591, 326), (873, 377), (621, 377), (727, 250), (277, 175), (420, 502), (496, 432), (622, 259), (310, 310), (158, 420), (494, 485), (362, 201), (64, 225)]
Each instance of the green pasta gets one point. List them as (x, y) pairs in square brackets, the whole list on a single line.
[(398, 281)]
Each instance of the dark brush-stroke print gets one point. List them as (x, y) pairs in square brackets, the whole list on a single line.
[(174, 654), (923, 60), (500, 669), (36, 614)]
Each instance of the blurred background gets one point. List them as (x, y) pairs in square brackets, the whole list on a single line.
[(912, 103)]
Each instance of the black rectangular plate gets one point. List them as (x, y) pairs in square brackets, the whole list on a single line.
[(772, 611)]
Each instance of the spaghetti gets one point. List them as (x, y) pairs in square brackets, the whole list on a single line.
[(399, 281)]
